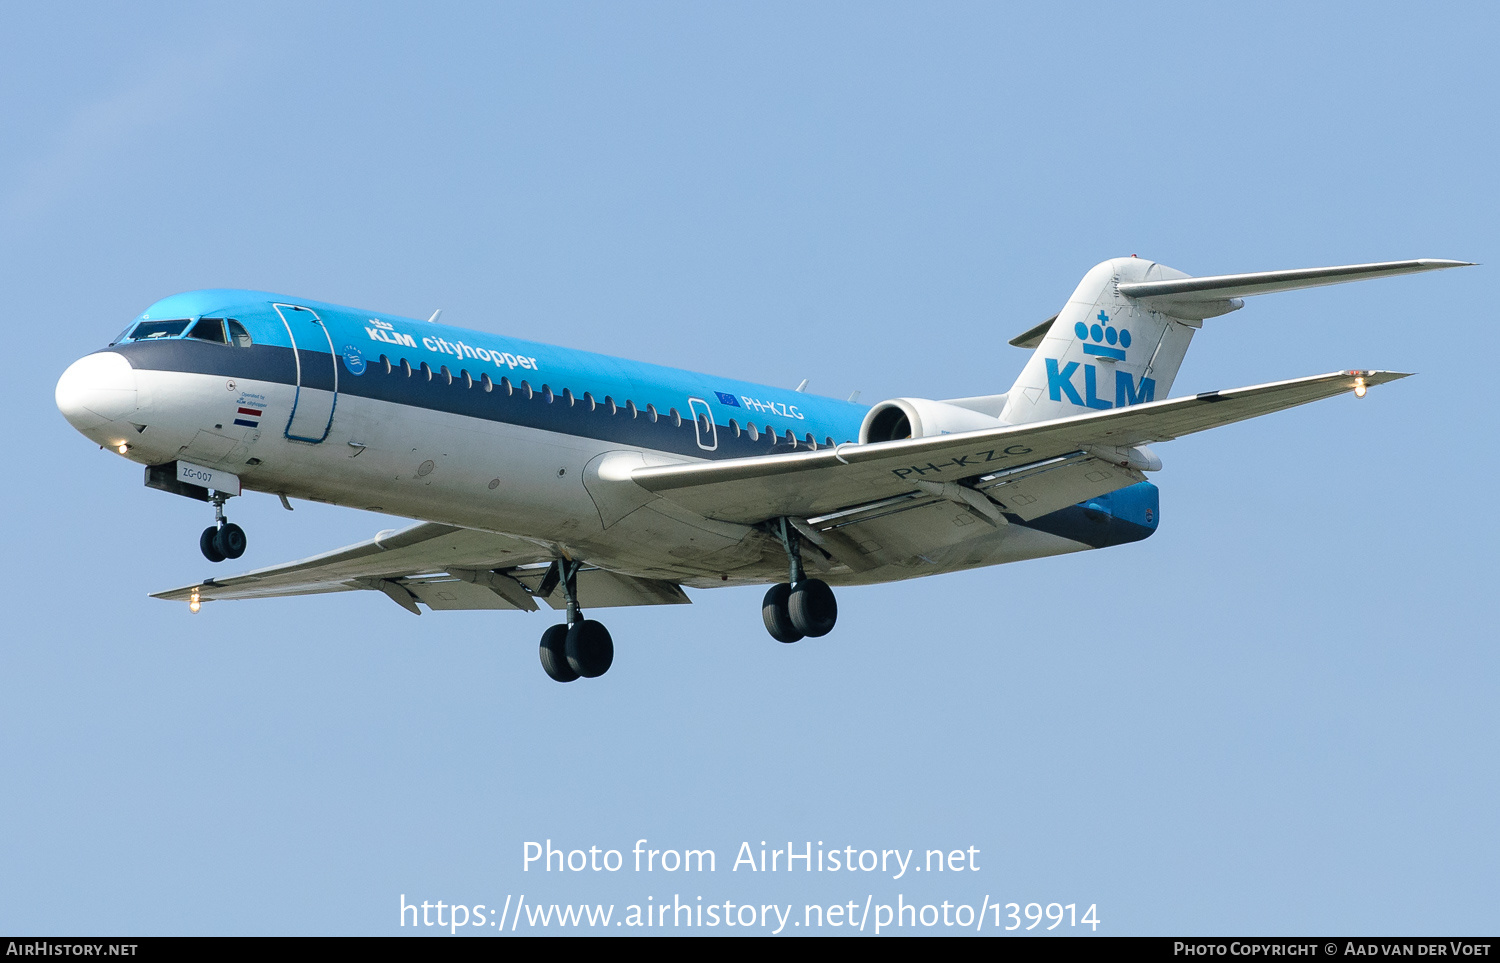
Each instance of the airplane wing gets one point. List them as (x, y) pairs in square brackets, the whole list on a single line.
[(1004, 463), (440, 566)]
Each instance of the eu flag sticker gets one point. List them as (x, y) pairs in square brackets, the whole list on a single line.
[(727, 399)]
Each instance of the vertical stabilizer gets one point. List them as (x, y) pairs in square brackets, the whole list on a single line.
[(1104, 350)]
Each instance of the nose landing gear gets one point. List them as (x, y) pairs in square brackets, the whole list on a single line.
[(223, 539), (582, 648)]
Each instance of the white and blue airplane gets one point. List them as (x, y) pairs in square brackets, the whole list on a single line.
[(549, 474)]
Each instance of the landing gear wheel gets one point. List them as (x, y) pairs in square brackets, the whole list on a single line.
[(590, 649), (813, 608), (230, 541), (554, 654), (773, 609), (207, 547)]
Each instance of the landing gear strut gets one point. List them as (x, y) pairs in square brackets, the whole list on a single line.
[(802, 607), (581, 648), (223, 539)]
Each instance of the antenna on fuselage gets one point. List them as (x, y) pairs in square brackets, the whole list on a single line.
[(802, 386), (433, 319)]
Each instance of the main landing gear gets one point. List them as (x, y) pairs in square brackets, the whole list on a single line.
[(580, 648), (803, 607), (223, 539)]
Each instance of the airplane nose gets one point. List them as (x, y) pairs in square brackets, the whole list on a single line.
[(97, 389)]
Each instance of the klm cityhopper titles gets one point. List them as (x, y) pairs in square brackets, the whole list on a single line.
[(540, 474)]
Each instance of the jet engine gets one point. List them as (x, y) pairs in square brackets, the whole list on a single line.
[(919, 417)]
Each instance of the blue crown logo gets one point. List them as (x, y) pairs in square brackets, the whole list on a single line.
[(1098, 338)]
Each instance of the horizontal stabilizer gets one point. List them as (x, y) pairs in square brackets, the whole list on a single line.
[(1033, 336), (1210, 296)]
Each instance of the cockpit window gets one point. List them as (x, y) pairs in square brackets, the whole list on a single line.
[(208, 329), (157, 330), (237, 334)]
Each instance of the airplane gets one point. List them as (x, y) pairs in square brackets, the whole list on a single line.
[(548, 474)]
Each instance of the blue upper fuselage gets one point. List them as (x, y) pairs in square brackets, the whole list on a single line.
[(407, 361)]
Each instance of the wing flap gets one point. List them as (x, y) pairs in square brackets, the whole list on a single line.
[(448, 593), (602, 589), (1055, 487), (749, 490)]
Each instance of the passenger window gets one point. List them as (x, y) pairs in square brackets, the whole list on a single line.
[(568, 396), (447, 375), (811, 442), (588, 399), (754, 431), (791, 439), (676, 418), (468, 382), (734, 426), (526, 389), (609, 404), (547, 394), (238, 335), (651, 412), (703, 424), (486, 383), (427, 370), (406, 367), (506, 386), (631, 409), (828, 441)]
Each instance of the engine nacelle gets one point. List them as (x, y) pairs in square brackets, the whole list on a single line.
[(918, 418)]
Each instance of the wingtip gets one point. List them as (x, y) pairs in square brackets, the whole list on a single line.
[(1439, 264), (1371, 377)]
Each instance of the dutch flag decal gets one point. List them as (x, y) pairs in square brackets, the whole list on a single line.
[(248, 417)]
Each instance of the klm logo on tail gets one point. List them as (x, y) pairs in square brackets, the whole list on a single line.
[(1102, 332), (1101, 340)]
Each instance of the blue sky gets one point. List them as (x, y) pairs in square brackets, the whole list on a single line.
[(1276, 716)]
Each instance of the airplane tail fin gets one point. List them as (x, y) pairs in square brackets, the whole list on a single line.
[(1123, 334)]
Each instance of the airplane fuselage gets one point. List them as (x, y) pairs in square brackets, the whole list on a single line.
[(539, 473), (421, 420)]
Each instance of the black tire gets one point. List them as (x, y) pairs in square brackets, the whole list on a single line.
[(773, 609), (230, 541), (207, 545), (813, 608), (554, 654), (590, 649)]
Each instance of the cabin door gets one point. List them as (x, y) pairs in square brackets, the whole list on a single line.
[(703, 424), (317, 374)]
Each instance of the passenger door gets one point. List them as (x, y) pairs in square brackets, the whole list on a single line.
[(703, 424), (317, 374)]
